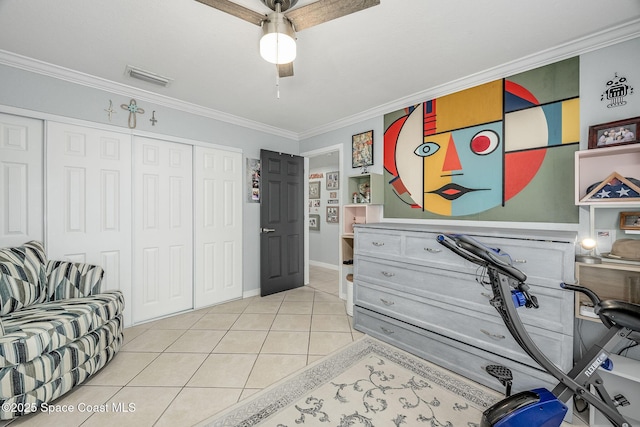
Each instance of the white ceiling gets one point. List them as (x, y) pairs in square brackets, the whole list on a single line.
[(377, 58)]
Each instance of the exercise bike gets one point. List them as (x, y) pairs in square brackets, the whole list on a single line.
[(541, 407)]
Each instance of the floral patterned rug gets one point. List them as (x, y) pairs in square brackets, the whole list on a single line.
[(368, 383)]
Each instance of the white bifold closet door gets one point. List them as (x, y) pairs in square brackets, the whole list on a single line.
[(218, 225), (163, 224), (88, 195), (21, 191)]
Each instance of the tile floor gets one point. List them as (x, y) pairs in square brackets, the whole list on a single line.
[(183, 369)]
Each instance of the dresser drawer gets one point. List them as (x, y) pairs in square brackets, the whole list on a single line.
[(463, 290), (471, 327), (456, 356), (424, 249), (378, 243)]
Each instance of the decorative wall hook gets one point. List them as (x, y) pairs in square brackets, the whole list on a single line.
[(153, 119), (110, 111), (133, 109)]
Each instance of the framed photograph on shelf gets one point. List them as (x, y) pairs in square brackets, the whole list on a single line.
[(362, 149), (314, 222), (614, 133), (630, 221), (314, 189), (333, 180), (332, 214)]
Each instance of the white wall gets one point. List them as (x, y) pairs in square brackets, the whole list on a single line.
[(41, 96), (324, 244)]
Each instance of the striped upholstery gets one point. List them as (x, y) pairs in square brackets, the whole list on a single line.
[(22, 276), (57, 328), (72, 280), (46, 327)]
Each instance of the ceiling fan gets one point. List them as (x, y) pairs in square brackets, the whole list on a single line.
[(279, 28)]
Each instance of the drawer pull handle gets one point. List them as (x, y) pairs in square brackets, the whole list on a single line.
[(386, 331), (377, 243), (493, 336), (520, 261), (485, 294), (386, 302), (432, 250), (387, 274)]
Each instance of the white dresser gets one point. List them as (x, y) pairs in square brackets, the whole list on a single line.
[(414, 293)]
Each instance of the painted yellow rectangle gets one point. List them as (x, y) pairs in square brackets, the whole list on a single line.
[(480, 104), (571, 121)]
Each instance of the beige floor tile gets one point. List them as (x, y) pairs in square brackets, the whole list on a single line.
[(292, 322), (169, 369), (254, 322), (237, 306), (196, 341), (270, 368), (329, 308), (304, 293), (296, 307), (224, 370), (139, 406), (122, 369), (132, 332), (327, 342), (264, 306), (219, 321), (326, 297), (181, 321), (248, 392), (153, 340), (241, 342), (330, 323), (78, 399), (194, 405), (281, 342)]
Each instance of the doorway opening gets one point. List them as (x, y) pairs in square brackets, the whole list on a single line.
[(323, 209)]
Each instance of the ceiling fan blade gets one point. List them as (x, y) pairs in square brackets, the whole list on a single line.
[(236, 10), (285, 70), (325, 10)]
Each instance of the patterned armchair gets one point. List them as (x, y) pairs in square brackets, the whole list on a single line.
[(56, 327)]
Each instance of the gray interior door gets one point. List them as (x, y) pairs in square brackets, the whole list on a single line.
[(281, 222)]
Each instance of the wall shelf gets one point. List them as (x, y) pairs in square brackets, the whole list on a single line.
[(595, 165), (371, 181)]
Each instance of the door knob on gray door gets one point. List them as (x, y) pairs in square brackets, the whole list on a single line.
[(267, 230)]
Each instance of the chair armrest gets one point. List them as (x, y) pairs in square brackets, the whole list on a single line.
[(73, 280)]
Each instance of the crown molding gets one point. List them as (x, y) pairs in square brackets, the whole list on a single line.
[(44, 68), (592, 42)]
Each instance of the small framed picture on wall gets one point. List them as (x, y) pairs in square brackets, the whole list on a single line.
[(332, 214), (362, 149)]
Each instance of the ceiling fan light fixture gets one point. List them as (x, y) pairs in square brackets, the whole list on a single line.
[(278, 42)]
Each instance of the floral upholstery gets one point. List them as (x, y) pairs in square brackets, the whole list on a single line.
[(57, 328)]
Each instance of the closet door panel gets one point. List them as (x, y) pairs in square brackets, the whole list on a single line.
[(89, 201), (21, 180), (163, 237), (218, 226)]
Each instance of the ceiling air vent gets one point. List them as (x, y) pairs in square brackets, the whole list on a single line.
[(147, 76)]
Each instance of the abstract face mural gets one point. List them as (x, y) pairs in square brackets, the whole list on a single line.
[(472, 151)]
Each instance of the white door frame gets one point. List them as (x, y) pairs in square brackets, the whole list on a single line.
[(343, 182)]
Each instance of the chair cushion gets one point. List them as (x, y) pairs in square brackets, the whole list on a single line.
[(46, 327), (72, 280), (23, 277)]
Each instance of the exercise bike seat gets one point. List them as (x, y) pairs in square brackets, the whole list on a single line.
[(621, 313)]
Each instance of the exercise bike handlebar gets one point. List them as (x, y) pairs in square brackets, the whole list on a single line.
[(477, 253)]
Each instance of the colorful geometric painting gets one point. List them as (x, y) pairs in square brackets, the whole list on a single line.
[(501, 151)]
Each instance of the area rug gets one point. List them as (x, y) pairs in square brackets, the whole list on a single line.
[(368, 383)]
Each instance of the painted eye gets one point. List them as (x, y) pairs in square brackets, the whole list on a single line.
[(485, 142), (427, 149)]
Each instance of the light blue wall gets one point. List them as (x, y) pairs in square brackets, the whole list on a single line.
[(40, 95)]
